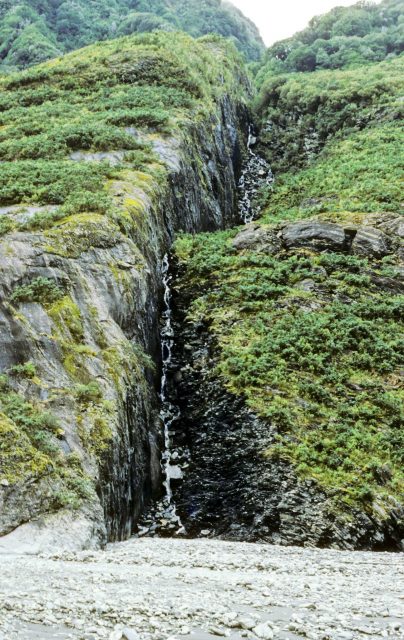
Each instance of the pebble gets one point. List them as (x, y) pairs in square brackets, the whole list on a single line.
[(155, 589), (129, 634), (185, 631), (218, 631), (244, 622), (264, 631)]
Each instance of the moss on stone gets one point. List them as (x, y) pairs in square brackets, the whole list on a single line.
[(19, 459), (79, 233), (95, 427), (67, 318)]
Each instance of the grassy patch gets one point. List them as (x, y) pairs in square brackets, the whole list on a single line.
[(320, 370)]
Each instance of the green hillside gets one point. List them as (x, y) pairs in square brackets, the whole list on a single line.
[(346, 36), (31, 32), (105, 153), (309, 332)]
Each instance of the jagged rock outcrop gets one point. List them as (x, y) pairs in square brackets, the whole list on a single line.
[(375, 238)]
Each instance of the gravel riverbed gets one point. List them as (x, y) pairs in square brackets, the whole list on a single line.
[(164, 589)]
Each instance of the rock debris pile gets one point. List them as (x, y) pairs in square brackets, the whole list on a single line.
[(202, 589)]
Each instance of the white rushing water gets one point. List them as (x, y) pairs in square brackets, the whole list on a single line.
[(169, 412), (256, 174)]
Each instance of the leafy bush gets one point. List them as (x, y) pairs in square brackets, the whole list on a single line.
[(26, 370), (40, 289), (88, 392)]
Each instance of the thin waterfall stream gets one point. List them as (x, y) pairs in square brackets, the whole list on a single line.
[(169, 412), (256, 173), (162, 519)]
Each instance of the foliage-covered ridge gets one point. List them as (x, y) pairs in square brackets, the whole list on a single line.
[(33, 32)]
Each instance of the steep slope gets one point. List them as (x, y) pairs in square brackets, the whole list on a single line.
[(346, 36), (300, 113), (295, 324), (31, 32), (104, 154)]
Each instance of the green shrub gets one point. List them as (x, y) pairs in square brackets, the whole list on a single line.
[(26, 370), (86, 393), (42, 290)]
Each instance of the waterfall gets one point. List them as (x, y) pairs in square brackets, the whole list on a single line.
[(161, 518), (169, 413), (256, 174)]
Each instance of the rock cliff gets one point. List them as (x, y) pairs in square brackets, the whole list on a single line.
[(80, 302)]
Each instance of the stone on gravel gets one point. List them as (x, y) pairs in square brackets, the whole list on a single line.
[(130, 634), (218, 631), (245, 622), (264, 631)]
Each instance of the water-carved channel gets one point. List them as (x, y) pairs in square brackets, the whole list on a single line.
[(164, 518)]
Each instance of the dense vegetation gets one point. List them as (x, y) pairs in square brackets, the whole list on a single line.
[(346, 36), (113, 98), (31, 32), (321, 370), (299, 113), (312, 339), (90, 102)]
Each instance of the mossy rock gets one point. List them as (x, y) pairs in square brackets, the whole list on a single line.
[(81, 233)]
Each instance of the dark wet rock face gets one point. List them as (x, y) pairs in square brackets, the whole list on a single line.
[(230, 489)]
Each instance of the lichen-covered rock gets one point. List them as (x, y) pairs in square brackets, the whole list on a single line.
[(370, 242), (316, 234), (257, 238)]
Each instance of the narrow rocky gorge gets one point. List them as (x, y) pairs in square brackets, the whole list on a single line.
[(220, 482), (113, 382)]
